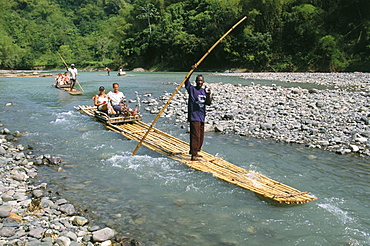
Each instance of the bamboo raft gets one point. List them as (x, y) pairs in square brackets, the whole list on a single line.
[(67, 89), (177, 149), (123, 75)]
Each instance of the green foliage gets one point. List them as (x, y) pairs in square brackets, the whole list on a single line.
[(9, 52), (330, 56), (279, 35)]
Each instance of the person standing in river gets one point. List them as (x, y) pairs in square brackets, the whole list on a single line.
[(73, 72), (199, 97)]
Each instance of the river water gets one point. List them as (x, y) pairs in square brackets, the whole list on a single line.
[(160, 201)]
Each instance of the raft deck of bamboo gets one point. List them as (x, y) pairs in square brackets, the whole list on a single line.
[(67, 89), (177, 149)]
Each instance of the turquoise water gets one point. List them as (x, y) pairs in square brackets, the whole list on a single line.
[(163, 202)]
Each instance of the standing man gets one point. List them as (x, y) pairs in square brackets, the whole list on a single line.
[(199, 97), (73, 72)]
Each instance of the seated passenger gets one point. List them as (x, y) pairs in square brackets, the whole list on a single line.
[(121, 72), (101, 101), (59, 80), (118, 102), (66, 78)]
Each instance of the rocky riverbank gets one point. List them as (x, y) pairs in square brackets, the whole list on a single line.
[(352, 81), (335, 120), (30, 214)]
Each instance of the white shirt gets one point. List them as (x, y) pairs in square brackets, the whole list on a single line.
[(116, 97), (73, 72)]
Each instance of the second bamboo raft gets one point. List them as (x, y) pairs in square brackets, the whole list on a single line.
[(177, 149)]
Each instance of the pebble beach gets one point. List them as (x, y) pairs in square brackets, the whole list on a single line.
[(33, 215), (336, 119)]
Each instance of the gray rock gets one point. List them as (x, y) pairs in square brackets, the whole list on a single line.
[(71, 235), (63, 241), (80, 221), (47, 203), (36, 232), (55, 160), (6, 197), (354, 148), (17, 134), (2, 150), (219, 128), (106, 243), (20, 156), (266, 126), (4, 214), (103, 235), (61, 201), (68, 209), (37, 193), (7, 231), (6, 131), (19, 176), (38, 243), (93, 228)]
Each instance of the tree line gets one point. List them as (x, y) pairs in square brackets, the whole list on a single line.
[(278, 35)]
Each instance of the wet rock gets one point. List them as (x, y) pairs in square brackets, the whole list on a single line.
[(103, 235), (80, 221), (17, 134), (54, 160), (6, 131)]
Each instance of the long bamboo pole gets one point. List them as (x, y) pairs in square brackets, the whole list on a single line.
[(65, 64), (185, 79)]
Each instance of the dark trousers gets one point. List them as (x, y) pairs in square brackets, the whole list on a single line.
[(73, 82), (196, 137)]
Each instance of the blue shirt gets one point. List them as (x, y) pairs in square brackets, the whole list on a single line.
[(196, 103)]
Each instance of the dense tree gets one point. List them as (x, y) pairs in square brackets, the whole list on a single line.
[(279, 35)]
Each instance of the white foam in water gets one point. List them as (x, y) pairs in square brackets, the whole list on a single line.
[(191, 187), (146, 167), (63, 117), (333, 208), (137, 161)]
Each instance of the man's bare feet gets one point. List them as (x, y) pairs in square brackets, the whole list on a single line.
[(194, 158)]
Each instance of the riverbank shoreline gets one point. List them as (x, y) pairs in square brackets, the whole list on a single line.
[(353, 81), (31, 214), (336, 120)]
